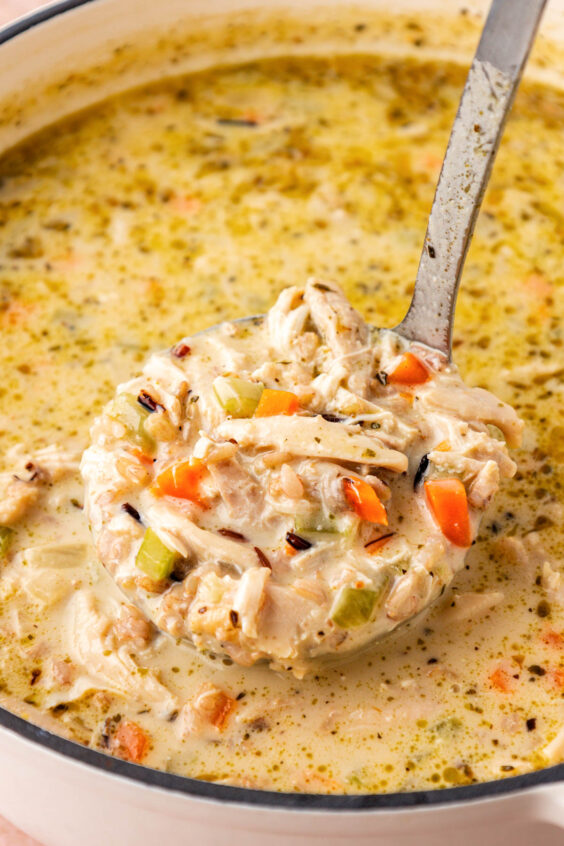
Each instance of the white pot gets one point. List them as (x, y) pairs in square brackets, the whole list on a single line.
[(64, 794)]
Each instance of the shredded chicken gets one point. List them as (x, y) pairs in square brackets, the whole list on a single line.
[(16, 498), (261, 496), (474, 404), (239, 490), (553, 752), (131, 627), (99, 668), (22, 489), (469, 606), (314, 437), (207, 714)]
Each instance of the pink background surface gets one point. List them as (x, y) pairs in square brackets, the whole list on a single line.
[(10, 9)]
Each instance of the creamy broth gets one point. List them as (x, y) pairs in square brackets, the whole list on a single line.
[(168, 209)]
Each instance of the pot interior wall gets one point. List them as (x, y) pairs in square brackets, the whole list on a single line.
[(100, 47)]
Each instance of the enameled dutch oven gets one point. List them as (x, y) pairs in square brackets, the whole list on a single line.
[(65, 57)]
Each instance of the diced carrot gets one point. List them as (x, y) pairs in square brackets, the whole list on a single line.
[(556, 677), (501, 680), (155, 105), (539, 286), (16, 314), (130, 742), (289, 550), (444, 446), (365, 501), (410, 371), (66, 261), (273, 402), (407, 397), (449, 505), (223, 707), (214, 705), (428, 163), (142, 457), (255, 117), (552, 638), (153, 290), (313, 781), (185, 204), (182, 480), (373, 546), (538, 290)]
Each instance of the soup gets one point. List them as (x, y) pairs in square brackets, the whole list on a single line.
[(199, 199)]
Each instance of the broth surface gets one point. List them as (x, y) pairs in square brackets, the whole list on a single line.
[(171, 208)]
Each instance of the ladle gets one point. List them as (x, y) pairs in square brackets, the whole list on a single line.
[(486, 101)]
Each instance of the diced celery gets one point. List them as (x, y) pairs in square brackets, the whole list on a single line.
[(154, 558), (237, 397), (447, 727), (315, 522), (128, 411), (495, 432), (353, 607), (6, 536)]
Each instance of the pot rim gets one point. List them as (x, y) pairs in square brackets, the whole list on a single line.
[(243, 795)]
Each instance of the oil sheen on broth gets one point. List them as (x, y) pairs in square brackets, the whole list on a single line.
[(199, 199)]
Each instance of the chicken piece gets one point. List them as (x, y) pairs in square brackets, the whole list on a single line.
[(249, 599), (468, 454), (120, 538), (212, 452), (207, 714), (324, 481), (484, 485), (381, 488), (292, 375), (290, 482), (160, 427), (186, 537), (83, 633), (286, 323), (62, 672), (55, 462), (313, 436), (339, 324), (110, 476), (211, 608), (17, 498), (283, 616), (409, 594), (528, 551), (468, 606), (553, 752), (344, 331), (238, 489), (131, 627), (550, 581), (129, 741), (452, 396)]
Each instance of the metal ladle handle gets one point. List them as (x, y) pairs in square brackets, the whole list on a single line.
[(490, 88)]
